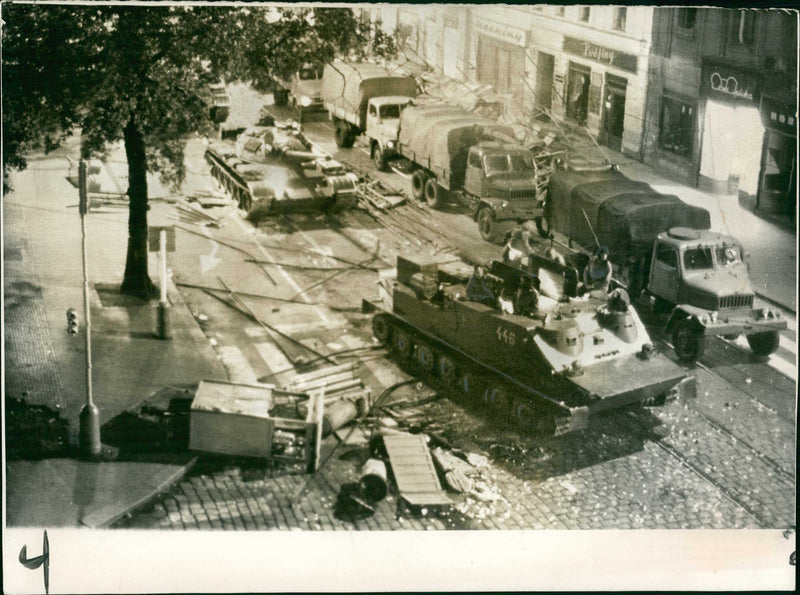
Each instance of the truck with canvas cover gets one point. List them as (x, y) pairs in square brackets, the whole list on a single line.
[(365, 98), (549, 364), (455, 152), (662, 247)]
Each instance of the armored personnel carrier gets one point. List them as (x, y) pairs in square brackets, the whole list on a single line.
[(550, 367), (277, 167)]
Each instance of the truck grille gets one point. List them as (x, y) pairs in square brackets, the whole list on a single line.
[(736, 301), (522, 193)]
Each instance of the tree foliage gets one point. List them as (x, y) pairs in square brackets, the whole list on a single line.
[(141, 74)]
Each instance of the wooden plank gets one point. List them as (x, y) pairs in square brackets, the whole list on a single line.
[(413, 469)]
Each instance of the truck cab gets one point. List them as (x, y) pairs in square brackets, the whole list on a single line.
[(503, 178), (705, 275), (383, 123), (302, 91)]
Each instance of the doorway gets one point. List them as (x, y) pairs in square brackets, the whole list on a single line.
[(613, 124), (545, 67)]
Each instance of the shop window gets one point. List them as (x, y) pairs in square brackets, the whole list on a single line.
[(578, 95), (687, 18), (584, 13), (743, 28), (620, 17), (677, 127)]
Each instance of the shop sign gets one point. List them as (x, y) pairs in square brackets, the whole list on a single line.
[(779, 116), (600, 54), (504, 32), (724, 83)]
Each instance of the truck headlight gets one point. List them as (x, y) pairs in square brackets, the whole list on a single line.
[(390, 144), (713, 316), (305, 101), (504, 205)]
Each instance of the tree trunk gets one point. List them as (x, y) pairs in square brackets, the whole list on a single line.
[(136, 280)]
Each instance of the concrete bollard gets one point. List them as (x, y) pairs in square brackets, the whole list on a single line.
[(89, 431)]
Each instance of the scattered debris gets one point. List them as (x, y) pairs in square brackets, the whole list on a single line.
[(373, 480), (413, 470)]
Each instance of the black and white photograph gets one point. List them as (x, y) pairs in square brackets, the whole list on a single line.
[(388, 297)]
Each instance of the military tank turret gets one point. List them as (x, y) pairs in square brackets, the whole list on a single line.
[(526, 345), (277, 167)]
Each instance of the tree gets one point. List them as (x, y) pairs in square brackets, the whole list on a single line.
[(140, 75)]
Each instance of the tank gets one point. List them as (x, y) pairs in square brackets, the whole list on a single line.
[(277, 168), (549, 367)]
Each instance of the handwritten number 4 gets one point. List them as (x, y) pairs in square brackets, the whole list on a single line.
[(34, 563)]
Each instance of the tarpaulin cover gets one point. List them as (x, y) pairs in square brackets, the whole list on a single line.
[(351, 86), (439, 138), (626, 215)]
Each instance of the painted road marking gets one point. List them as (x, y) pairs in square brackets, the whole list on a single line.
[(317, 310), (301, 327), (239, 369), (254, 331), (275, 359)]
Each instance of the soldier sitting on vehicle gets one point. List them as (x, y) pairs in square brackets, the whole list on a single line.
[(597, 274), (526, 299), (480, 289)]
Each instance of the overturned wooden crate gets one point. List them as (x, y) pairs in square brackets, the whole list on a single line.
[(236, 419), (344, 393)]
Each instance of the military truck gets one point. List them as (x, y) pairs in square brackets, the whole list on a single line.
[(365, 98), (550, 368), (453, 152), (302, 91), (662, 248)]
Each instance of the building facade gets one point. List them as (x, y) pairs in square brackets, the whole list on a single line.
[(722, 101), (705, 96)]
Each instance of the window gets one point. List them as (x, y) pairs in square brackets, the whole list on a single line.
[(687, 18), (698, 259), (372, 110), (620, 16), (584, 14), (495, 163), (666, 255), (676, 133), (390, 110), (743, 28), (474, 159), (521, 161)]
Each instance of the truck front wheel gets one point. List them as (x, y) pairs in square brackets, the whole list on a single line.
[(340, 135), (687, 341), (434, 194), (487, 224), (418, 179), (379, 157), (764, 344)]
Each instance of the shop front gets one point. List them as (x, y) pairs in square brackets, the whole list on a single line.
[(500, 58), (732, 132), (777, 187), (597, 83)]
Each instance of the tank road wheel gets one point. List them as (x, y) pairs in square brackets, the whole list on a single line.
[(468, 385), (498, 398), (543, 227), (434, 194), (418, 179), (687, 341), (379, 157), (382, 328), (341, 135), (447, 371), (730, 336), (425, 358), (402, 344), (487, 224), (764, 344)]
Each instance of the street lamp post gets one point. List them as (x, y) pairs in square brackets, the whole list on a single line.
[(89, 434)]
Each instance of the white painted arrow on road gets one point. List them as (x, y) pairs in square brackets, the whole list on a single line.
[(209, 261)]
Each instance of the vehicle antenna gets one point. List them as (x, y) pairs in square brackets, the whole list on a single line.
[(594, 235)]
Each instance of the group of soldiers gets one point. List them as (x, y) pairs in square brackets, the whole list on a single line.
[(487, 289)]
